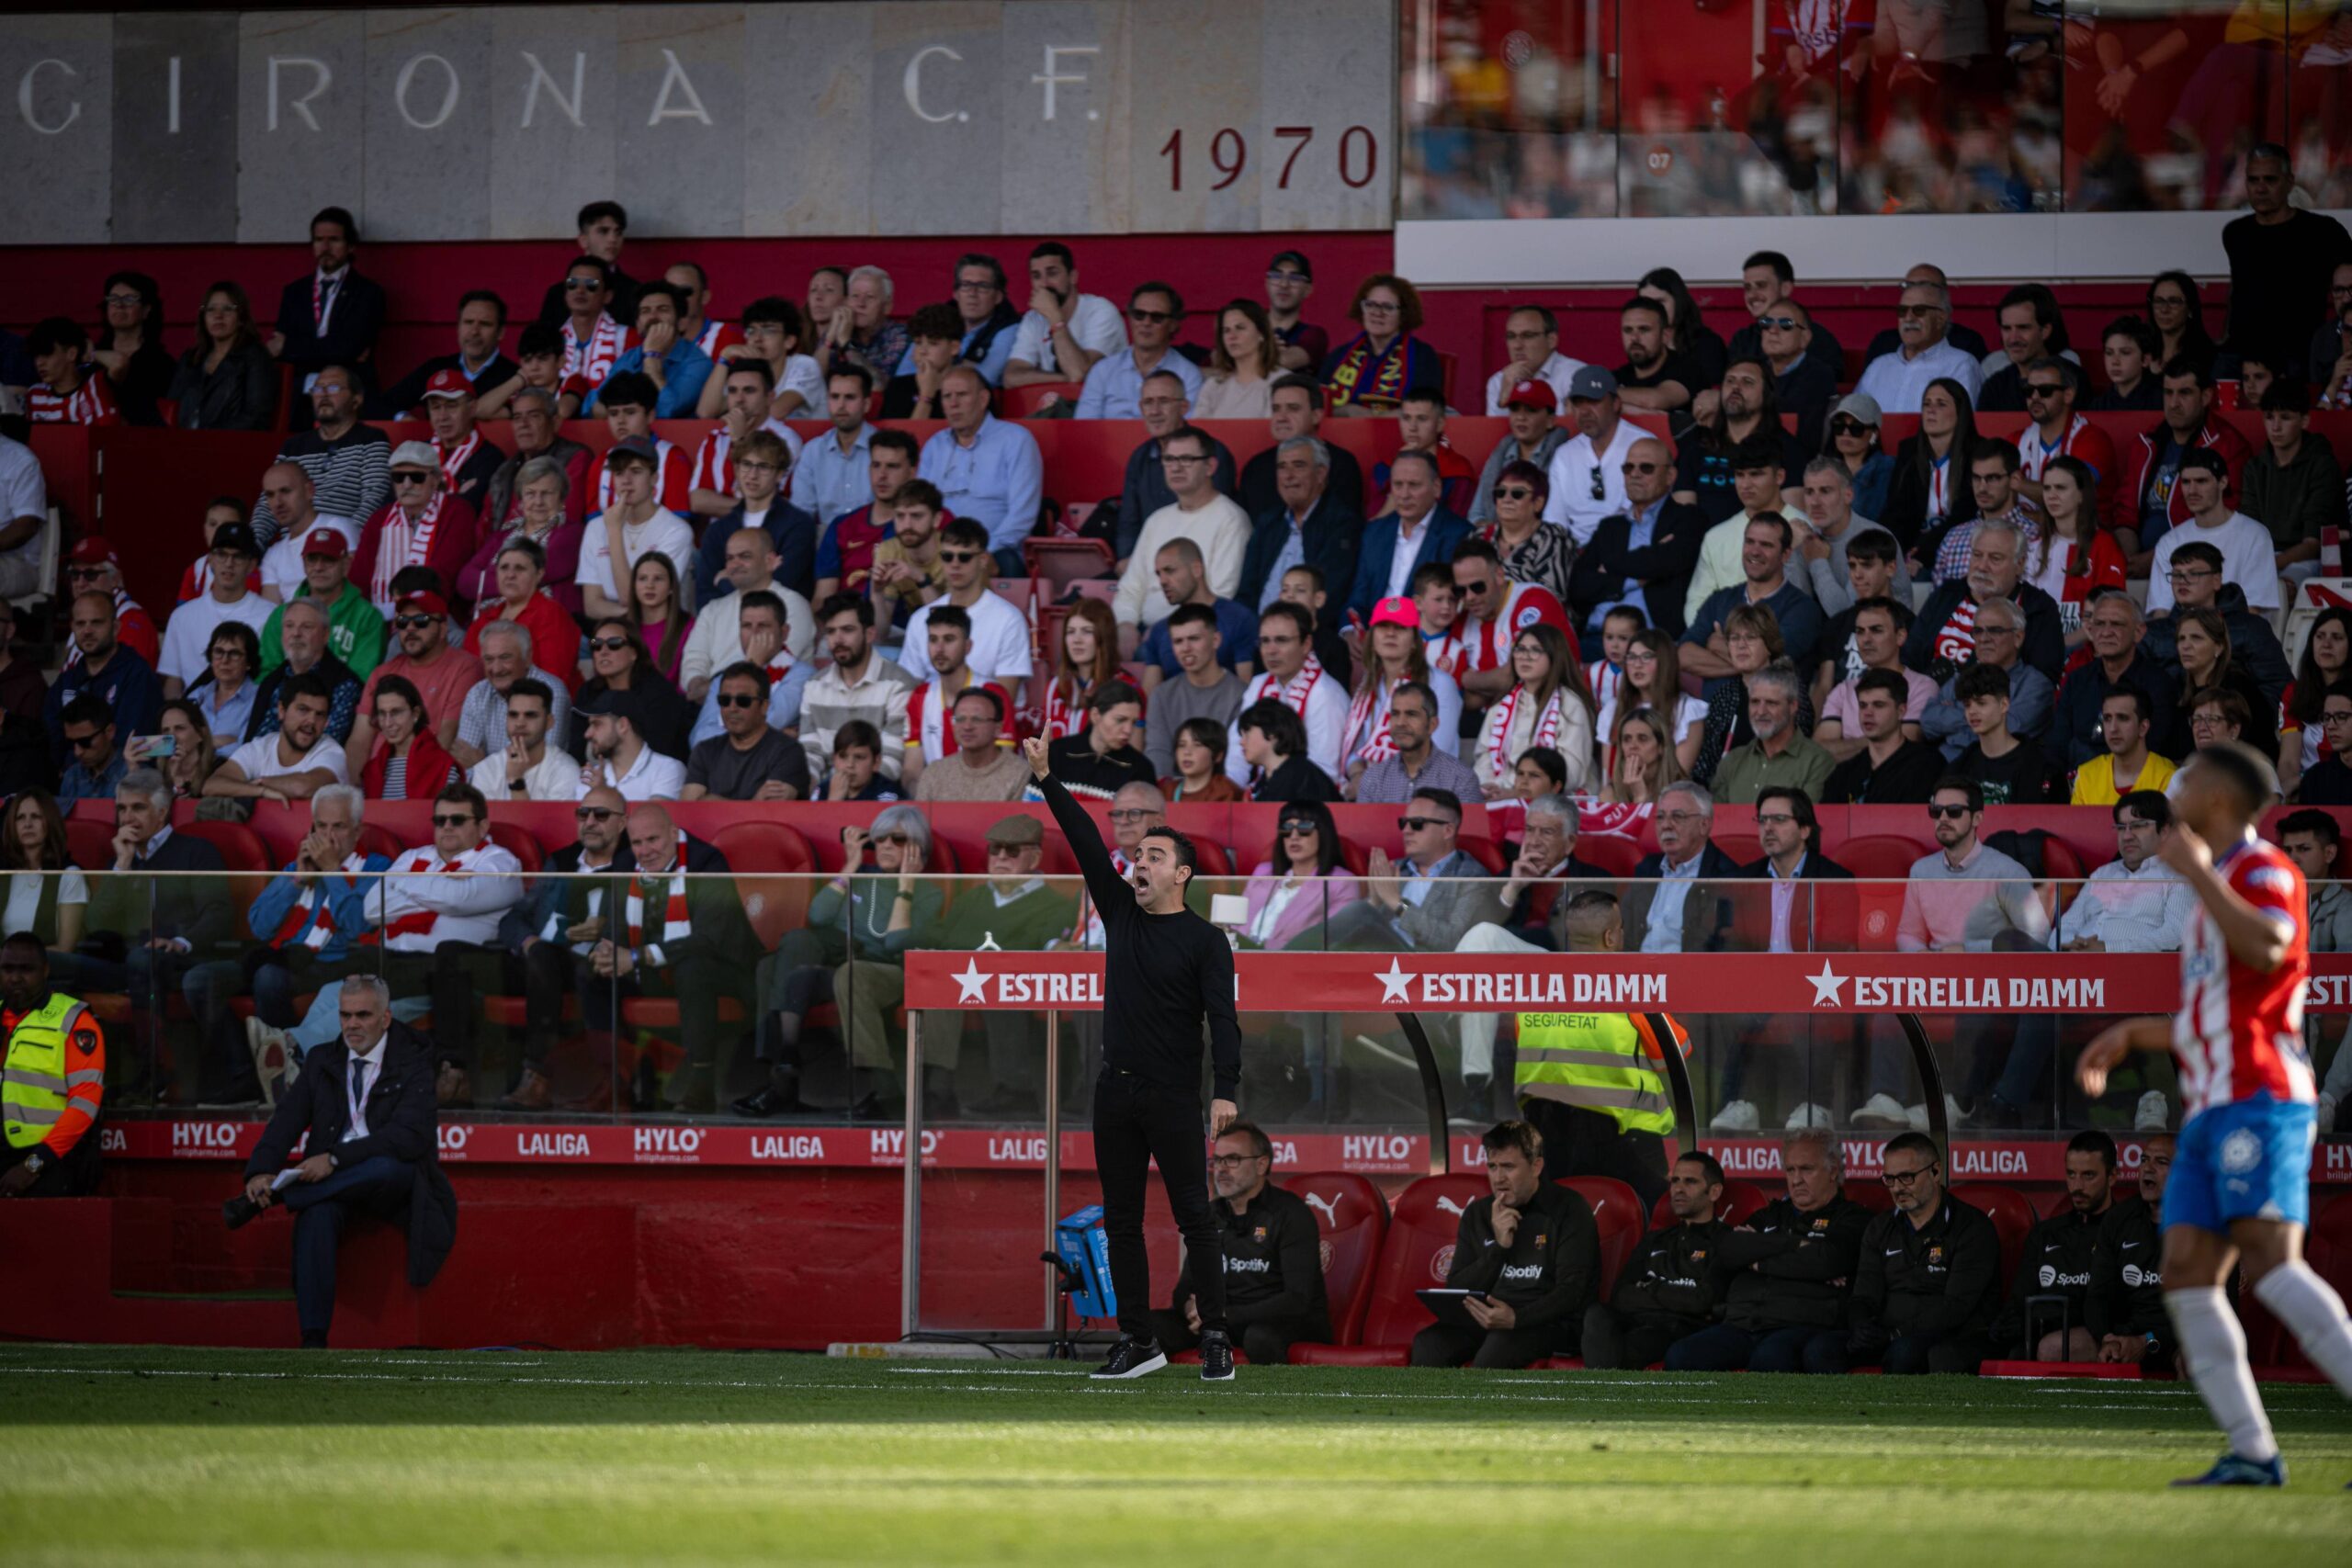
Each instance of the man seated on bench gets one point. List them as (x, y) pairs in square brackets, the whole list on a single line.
[(1272, 1257), (1532, 1248), (367, 1106)]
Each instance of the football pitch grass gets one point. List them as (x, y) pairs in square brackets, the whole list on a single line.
[(160, 1456)]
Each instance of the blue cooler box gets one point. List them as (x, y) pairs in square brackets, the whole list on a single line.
[(1087, 1249)]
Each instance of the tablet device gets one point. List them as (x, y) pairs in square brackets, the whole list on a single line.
[(1446, 1306)]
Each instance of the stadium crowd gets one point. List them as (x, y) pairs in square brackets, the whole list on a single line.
[(1698, 575)]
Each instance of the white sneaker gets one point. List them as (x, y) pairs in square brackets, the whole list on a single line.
[(2155, 1114), (276, 1062), (1736, 1116), (1881, 1111), (1805, 1116)]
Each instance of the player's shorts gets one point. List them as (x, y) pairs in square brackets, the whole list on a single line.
[(2247, 1160)]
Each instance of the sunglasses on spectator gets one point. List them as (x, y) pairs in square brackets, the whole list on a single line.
[(1600, 486), (84, 743), (1280, 275), (1513, 493), (1786, 324), (405, 622), (86, 571), (452, 819), (1640, 468), (594, 813), (1008, 851), (1954, 812), (1913, 312), (582, 284), (1418, 824), (1137, 314), (899, 839), (739, 699), (608, 644), (411, 476), (2044, 389), (1300, 825), (958, 558), (1848, 427)]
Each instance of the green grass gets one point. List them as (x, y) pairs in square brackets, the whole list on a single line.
[(154, 1456)]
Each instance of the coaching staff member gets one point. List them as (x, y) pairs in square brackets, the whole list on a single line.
[(1930, 1280), (1274, 1258), (1532, 1245), (1672, 1289), (1165, 972), (2046, 1317), (1789, 1271)]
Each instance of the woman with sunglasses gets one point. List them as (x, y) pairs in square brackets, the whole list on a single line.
[(2201, 644), (619, 662), (1393, 654), (1752, 635), (2075, 557), (1371, 372), (654, 611), (1653, 682), (1852, 439), (1301, 883), (128, 346), (1547, 706), (1243, 367), (224, 693), (2326, 659), (1644, 761), (193, 754), (406, 762), (1531, 550), (515, 595), (1199, 756), (1088, 656), (858, 916), (226, 380), (46, 895), (1929, 490)]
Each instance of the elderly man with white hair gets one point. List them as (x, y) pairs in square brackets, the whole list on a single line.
[(507, 656)]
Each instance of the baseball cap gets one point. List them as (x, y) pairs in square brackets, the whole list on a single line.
[(1591, 383), (1861, 406), (1016, 832), (94, 550), (414, 455), (237, 537), (448, 384), (326, 542), (1531, 393), (1397, 612), (607, 704), (431, 604), (1294, 258), (636, 446)]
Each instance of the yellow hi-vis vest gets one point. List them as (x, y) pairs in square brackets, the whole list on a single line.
[(33, 1086), (1606, 1062)]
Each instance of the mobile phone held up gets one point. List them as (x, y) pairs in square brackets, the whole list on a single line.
[(147, 748)]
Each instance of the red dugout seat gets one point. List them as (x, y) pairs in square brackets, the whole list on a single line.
[(1617, 1213), (2011, 1216), (1415, 1254), (1353, 1218)]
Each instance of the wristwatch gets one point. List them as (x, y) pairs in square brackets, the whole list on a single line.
[(36, 1162)]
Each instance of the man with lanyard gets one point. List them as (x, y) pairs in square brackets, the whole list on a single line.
[(54, 1082), (1294, 676)]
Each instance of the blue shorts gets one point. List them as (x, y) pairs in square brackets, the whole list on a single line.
[(2248, 1160)]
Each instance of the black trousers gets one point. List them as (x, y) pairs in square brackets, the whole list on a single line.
[(374, 1188), (74, 1174), (698, 978), (1621, 1342), (1136, 1121), (1578, 1142), (1267, 1344), (1443, 1345)]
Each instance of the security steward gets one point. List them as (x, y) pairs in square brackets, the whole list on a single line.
[(1593, 1082), (1930, 1280), (1787, 1273), (2126, 1308), (54, 1081), (2046, 1319), (1274, 1258), (1531, 1246), (1670, 1288)]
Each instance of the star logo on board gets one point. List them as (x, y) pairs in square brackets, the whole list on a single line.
[(1826, 986), (972, 983), (1393, 983)]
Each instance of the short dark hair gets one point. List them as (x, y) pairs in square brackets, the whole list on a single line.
[(1432, 396), (342, 219), (484, 297), (1870, 545), (1786, 272), (88, 708), (628, 389), (940, 323), (856, 605), (1181, 844), (1975, 681), (745, 670), (2202, 553), (858, 732), (598, 264), (1757, 452), (1800, 803), (2311, 819), (1295, 382), (1895, 609), (1278, 722), (967, 531), (1111, 694), (541, 340), (852, 370), (1994, 446), (763, 599), (1788, 533), (661, 288), (1298, 615), (1962, 784), (53, 332), (1192, 615), (1475, 548), (532, 687), (1260, 1145), (1445, 799), (1548, 758), (750, 365), (986, 693), (2141, 332), (776, 311), (2137, 696), (1891, 682), (2093, 1142), (1513, 1135), (2207, 459), (1644, 302), (308, 684), (950, 615), (895, 441), (977, 258), (1913, 1143), (2148, 805), (597, 211), (1709, 1166), (1175, 301), (2287, 394), (1055, 249), (2196, 366)]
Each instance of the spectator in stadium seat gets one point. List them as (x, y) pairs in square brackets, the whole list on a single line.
[(1426, 902), (105, 669), (443, 675), (1891, 769), (1643, 556), (1531, 1249), (723, 341), (1876, 627), (516, 604), (1786, 1272), (365, 1110), (616, 751), (231, 561), (2010, 771), (1535, 434), (2124, 1310), (506, 509), (1414, 532), (1992, 470), (1803, 382), (226, 380), (426, 524), (468, 462), (291, 501), (635, 522), (1096, 762), (525, 767), (333, 316), (347, 461), (1303, 585), (1064, 331), (539, 355), (1207, 688), (2311, 839), (2131, 354), (1670, 1288), (128, 346), (1531, 358), (2328, 782), (861, 332), (223, 695), (1525, 547), (1546, 705), (1183, 576), (2328, 363), (930, 706), (1297, 405), (87, 725), (1297, 888), (2293, 486), (2118, 657), (835, 480), (1243, 365), (987, 470), (1308, 523), (1746, 427), (1767, 282), (1853, 438), (1274, 747), (2247, 558), (1145, 489), (407, 761), (988, 320), (571, 909), (93, 566), (1216, 527), (1371, 372), (304, 636), (310, 920), (1928, 1281), (757, 462), (1114, 385), (1928, 488), (1952, 630), (1290, 279), (1753, 640), (479, 362), (2127, 764), (978, 769), (2046, 1317), (2032, 328), (592, 332), (1412, 729), (1965, 338), (1895, 380), (2200, 581), (1756, 470), (661, 353), (24, 500), (853, 685), (603, 229), (1000, 636), (296, 758), (2149, 501), (1197, 763), (936, 334), (1271, 1261), (1293, 675), (1657, 374), (1779, 752), (1546, 856), (1766, 539)]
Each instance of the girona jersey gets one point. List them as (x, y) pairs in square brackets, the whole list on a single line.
[(1486, 645), (2240, 1032)]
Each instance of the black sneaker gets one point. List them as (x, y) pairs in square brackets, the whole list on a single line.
[(1133, 1358), (1217, 1356)]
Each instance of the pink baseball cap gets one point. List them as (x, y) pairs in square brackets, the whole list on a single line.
[(1397, 612)]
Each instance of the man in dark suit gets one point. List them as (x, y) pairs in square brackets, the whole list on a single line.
[(331, 317), (367, 1104), (1414, 483), (1310, 525), (552, 934), (668, 935), (1676, 901), (1297, 405), (1646, 553), (1786, 914)]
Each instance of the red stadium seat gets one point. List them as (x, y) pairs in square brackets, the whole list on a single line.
[(1057, 563), (775, 872), (1353, 1218), (1617, 1212), (1881, 862), (378, 839), (240, 848), (1020, 402), (89, 842), (1415, 1254), (1741, 1200), (2010, 1213), (518, 841), (1617, 856)]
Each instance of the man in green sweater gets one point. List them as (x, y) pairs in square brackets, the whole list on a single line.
[(2293, 487), (355, 626)]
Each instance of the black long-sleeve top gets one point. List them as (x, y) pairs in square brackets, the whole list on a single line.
[(1551, 1270), (1670, 1281), (1163, 976), (1273, 1263), (1789, 1267), (1936, 1281)]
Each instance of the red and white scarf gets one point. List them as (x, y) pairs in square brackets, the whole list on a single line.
[(1066, 715), (928, 708), (1367, 736), (428, 862), (320, 931), (404, 544), (453, 458), (1937, 474), (594, 359), (2033, 455), (676, 923), (1294, 691), (1495, 742)]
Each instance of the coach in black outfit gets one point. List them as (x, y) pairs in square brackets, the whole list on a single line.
[(1272, 1257), (2047, 1315), (1166, 973), (1533, 1248), (1929, 1280), (1670, 1290), (367, 1103)]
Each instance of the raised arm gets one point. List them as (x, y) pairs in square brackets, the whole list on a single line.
[(1104, 883)]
